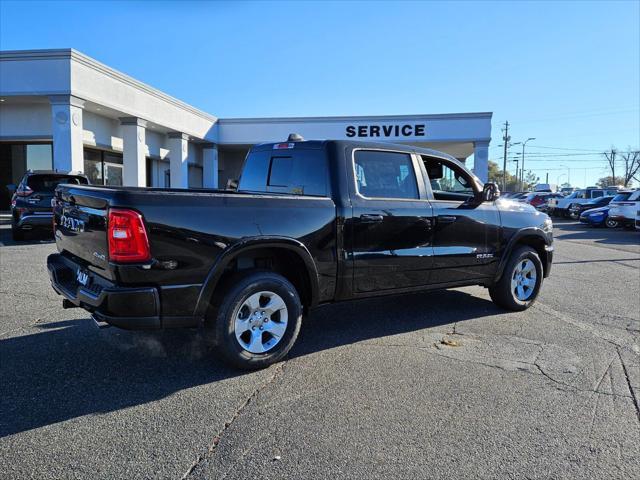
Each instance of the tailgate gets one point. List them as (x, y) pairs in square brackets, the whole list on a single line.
[(80, 219)]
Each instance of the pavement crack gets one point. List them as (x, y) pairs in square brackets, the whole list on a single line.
[(631, 391), (277, 372)]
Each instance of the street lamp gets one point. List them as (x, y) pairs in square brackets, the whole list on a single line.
[(559, 177), (522, 169), (505, 170), (568, 173)]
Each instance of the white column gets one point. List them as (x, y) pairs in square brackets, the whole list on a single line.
[(178, 159), (210, 166), (134, 156), (481, 160), (66, 129)]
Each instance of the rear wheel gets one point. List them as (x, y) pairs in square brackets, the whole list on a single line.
[(258, 320), (521, 280)]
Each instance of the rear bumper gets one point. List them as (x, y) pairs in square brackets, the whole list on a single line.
[(29, 221), (128, 308)]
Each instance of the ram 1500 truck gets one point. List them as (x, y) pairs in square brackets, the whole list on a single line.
[(310, 223)]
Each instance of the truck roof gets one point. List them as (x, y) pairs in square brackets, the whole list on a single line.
[(320, 144)]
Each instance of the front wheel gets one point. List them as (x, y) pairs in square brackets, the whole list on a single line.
[(258, 320), (521, 280)]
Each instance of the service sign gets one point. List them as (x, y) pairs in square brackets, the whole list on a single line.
[(386, 131)]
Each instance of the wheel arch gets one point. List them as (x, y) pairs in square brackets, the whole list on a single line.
[(533, 237), (292, 258)]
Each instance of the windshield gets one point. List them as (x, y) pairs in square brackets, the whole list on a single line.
[(572, 195), (48, 183)]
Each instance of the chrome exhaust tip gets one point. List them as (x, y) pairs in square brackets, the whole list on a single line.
[(99, 323)]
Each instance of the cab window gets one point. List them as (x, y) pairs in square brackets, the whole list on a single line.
[(381, 174), (597, 193), (448, 181), (297, 172)]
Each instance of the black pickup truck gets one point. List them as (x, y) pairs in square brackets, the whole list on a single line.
[(310, 223)]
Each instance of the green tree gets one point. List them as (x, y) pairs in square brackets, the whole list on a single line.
[(495, 175)]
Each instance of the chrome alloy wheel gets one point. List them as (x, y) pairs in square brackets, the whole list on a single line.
[(523, 281), (261, 322)]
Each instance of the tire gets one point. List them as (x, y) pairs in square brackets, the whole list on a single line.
[(16, 234), (609, 223), (265, 340), (504, 294)]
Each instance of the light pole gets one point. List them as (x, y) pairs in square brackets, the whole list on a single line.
[(505, 173), (559, 177), (568, 173), (522, 169)]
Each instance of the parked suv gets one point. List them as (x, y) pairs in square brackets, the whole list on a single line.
[(624, 211), (31, 200), (561, 207)]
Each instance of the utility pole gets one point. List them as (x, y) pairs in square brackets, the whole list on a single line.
[(506, 139), (611, 158), (547, 180)]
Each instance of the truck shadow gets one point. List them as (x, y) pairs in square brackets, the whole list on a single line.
[(71, 369)]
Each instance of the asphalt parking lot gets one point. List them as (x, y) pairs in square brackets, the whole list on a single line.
[(440, 385)]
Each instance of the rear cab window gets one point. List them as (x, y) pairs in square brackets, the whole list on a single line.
[(296, 171)]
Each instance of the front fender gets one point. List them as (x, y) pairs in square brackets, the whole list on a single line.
[(533, 236), (252, 243)]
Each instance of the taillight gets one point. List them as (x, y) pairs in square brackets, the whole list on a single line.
[(128, 241), (24, 191)]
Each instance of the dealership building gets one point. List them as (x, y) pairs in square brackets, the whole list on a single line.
[(63, 110)]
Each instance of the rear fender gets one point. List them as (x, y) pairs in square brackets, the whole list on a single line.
[(253, 243)]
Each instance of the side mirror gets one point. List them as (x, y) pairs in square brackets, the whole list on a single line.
[(11, 187), (490, 192)]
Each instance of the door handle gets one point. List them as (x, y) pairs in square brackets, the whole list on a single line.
[(447, 218), (370, 218)]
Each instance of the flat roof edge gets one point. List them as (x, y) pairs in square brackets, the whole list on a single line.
[(357, 118), (75, 55)]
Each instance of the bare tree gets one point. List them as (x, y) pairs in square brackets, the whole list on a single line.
[(631, 159), (611, 159)]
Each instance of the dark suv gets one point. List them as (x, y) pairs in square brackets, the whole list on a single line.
[(31, 200)]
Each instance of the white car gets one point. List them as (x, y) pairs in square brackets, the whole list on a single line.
[(625, 211), (561, 206)]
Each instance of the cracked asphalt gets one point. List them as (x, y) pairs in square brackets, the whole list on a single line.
[(441, 385)]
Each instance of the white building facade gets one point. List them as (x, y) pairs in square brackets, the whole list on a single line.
[(60, 109)]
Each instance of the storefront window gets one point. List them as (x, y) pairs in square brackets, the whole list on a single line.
[(39, 157), (18, 157), (103, 168), (93, 166)]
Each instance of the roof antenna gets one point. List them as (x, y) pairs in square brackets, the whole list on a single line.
[(295, 137)]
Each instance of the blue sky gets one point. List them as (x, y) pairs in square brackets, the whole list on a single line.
[(565, 73)]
